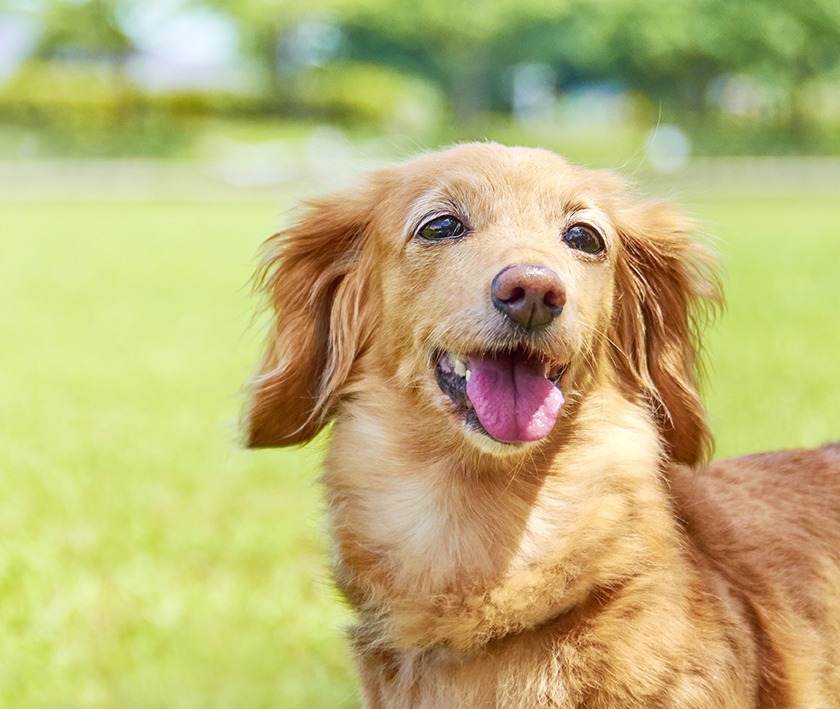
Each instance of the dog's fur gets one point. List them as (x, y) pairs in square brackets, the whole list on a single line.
[(606, 565)]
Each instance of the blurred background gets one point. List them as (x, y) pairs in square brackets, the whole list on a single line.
[(147, 147), (241, 83)]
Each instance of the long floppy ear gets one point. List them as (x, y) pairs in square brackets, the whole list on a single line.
[(667, 287), (314, 275)]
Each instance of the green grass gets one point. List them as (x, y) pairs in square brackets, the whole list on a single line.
[(773, 374), (146, 560)]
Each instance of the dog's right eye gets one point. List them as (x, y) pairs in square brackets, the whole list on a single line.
[(446, 227), (582, 238)]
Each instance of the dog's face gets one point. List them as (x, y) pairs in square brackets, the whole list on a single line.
[(488, 288), (499, 276)]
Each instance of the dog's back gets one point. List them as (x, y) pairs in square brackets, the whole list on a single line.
[(768, 527)]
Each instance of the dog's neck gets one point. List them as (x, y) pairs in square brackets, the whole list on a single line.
[(438, 552)]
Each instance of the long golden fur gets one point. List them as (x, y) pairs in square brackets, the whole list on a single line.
[(604, 563)]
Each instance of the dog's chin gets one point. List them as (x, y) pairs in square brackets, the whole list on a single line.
[(504, 401)]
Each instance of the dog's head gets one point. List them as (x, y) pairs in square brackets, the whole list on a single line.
[(487, 289)]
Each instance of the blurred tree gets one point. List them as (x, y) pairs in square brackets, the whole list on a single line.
[(86, 29), (671, 51), (676, 49), (263, 25), (465, 45), (85, 33), (799, 43), (458, 45), (676, 53)]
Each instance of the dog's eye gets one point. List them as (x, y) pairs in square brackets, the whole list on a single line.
[(442, 228), (582, 238)]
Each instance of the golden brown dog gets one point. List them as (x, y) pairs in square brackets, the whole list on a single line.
[(519, 498)]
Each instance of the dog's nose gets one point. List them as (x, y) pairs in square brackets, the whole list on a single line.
[(531, 296)]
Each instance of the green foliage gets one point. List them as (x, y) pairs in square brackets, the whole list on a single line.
[(82, 28), (421, 65), (77, 107), (96, 111), (360, 93)]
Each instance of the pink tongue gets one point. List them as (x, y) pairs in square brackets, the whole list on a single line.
[(512, 397)]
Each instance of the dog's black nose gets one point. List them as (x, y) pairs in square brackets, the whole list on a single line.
[(531, 296)]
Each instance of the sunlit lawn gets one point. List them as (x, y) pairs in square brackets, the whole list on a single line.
[(774, 356), (145, 559)]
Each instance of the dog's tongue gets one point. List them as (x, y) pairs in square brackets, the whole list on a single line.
[(512, 397)]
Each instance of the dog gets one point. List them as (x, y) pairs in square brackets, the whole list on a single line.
[(520, 501)]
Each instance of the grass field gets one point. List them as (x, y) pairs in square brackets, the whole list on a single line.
[(146, 560)]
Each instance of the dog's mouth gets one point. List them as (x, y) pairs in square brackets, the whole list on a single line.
[(511, 396)]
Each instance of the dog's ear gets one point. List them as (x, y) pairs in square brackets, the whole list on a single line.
[(314, 275), (666, 288)]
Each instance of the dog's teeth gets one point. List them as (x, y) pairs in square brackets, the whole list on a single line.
[(467, 374), (459, 366)]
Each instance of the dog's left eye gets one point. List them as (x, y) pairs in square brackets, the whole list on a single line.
[(582, 238), (446, 227)]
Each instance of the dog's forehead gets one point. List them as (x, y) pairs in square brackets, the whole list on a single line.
[(494, 177)]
